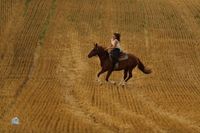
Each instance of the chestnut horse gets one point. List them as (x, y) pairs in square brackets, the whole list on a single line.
[(127, 65)]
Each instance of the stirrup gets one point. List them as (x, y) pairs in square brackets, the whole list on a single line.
[(116, 65)]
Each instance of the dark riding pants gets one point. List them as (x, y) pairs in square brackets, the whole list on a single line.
[(115, 56)]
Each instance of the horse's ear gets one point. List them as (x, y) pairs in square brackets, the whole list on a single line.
[(95, 44)]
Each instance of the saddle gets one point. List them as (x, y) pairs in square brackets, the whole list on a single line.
[(123, 56)]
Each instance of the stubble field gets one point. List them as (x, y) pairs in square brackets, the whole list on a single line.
[(48, 82)]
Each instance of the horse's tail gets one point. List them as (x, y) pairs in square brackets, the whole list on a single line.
[(143, 68)]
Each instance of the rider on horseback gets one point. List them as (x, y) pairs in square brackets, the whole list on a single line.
[(115, 49)]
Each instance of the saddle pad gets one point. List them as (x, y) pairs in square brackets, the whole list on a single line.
[(121, 58), (124, 57)]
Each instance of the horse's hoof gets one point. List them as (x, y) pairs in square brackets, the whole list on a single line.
[(100, 83), (123, 83), (98, 80), (120, 83), (113, 82)]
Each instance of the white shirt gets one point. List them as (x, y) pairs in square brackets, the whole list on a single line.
[(116, 44)]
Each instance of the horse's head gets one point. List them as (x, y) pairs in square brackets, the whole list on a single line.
[(94, 51)]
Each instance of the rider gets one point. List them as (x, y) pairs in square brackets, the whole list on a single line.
[(115, 49)]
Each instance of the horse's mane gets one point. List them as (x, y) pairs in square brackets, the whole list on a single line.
[(103, 48)]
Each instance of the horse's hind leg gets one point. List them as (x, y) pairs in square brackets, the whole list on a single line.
[(129, 75), (122, 82), (125, 74)]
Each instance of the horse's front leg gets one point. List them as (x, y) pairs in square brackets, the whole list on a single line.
[(101, 72), (108, 75)]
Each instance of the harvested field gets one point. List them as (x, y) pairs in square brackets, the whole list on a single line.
[(48, 82)]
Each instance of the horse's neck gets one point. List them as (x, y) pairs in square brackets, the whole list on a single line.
[(103, 57)]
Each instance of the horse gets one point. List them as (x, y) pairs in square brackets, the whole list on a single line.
[(127, 65)]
